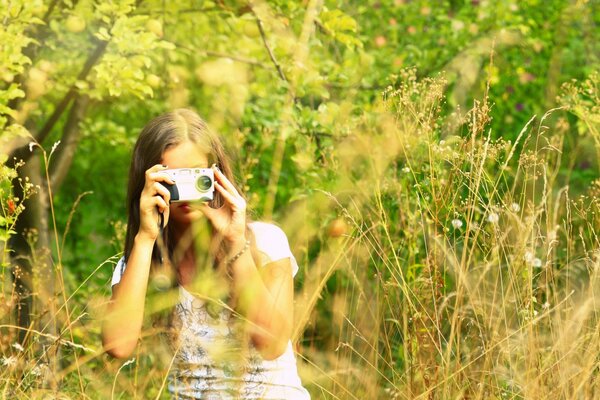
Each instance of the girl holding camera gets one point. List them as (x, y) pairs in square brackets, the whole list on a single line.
[(231, 349)]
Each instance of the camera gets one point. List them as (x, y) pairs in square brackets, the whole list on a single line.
[(191, 184)]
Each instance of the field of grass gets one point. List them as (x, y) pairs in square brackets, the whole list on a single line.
[(456, 264)]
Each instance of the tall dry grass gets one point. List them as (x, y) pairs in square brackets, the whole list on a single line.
[(471, 269), (459, 266)]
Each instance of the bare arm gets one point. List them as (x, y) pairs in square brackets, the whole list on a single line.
[(125, 312), (265, 298), (265, 301)]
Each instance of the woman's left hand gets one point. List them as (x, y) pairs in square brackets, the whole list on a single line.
[(230, 219)]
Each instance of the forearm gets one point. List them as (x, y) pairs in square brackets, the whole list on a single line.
[(125, 312), (268, 312)]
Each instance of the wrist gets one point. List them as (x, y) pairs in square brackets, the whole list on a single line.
[(144, 239), (236, 252), (236, 244)]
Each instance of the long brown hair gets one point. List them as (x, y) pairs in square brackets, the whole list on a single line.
[(161, 133)]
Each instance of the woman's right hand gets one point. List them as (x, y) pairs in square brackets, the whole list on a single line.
[(154, 200)]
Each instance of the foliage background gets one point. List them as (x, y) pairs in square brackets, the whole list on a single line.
[(307, 95)]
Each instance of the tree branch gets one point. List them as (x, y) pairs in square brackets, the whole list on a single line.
[(63, 156), (61, 107), (222, 55), (261, 29), (23, 152)]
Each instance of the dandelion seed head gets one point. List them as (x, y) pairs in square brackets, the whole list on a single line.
[(493, 218), (528, 257), (537, 263), (457, 223)]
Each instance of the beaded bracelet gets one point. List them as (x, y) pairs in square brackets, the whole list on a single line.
[(238, 255)]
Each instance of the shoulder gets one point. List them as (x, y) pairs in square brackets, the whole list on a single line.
[(272, 241), (266, 230)]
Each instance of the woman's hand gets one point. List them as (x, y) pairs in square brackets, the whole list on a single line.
[(154, 199), (229, 220)]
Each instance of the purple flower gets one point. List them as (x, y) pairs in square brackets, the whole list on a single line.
[(519, 107)]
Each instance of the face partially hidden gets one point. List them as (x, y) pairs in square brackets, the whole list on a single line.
[(184, 155)]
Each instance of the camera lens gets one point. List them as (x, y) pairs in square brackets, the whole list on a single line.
[(203, 183)]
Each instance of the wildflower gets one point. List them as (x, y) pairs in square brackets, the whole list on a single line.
[(537, 263), (493, 218), (406, 170), (18, 346), (11, 206), (515, 207), (457, 223), (39, 370), (9, 362)]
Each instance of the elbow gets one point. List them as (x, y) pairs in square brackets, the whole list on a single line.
[(269, 347), (118, 352), (118, 348), (272, 352)]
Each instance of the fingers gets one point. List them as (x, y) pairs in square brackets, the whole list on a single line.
[(230, 198), (163, 191), (224, 182), (161, 204), (153, 185), (166, 214), (156, 174)]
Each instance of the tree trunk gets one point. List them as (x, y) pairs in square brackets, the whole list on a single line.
[(32, 262)]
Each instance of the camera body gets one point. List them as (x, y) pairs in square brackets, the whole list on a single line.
[(191, 184)]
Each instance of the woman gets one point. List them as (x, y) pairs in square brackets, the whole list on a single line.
[(238, 349)]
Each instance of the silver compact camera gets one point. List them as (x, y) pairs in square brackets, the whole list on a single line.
[(191, 184)]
